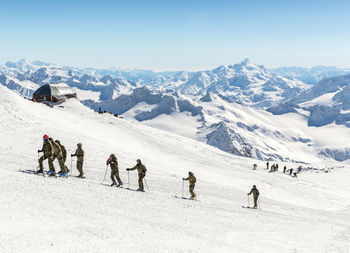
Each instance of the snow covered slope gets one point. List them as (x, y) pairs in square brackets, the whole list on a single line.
[(40, 214)]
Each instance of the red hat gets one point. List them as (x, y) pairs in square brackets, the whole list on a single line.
[(45, 136)]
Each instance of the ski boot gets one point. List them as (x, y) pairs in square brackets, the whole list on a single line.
[(113, 184), (41, 170), (120, 185), (63, 174), (51, 173)]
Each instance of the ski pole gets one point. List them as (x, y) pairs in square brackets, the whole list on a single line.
[(128, 181), (147, 185), (71, 165), (259, 205), (105, 174), (248, 201), (183, 183)]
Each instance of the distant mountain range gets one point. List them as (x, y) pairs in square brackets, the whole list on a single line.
[(310, 75), (230, 107)]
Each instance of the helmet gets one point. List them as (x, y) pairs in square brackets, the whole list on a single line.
[(254, 186), (57, 141), (190, 173), (79, 144), (50, 139), (112, 155), (45, 137), (138, 161)]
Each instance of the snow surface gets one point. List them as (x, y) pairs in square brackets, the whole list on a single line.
[(310, 213)]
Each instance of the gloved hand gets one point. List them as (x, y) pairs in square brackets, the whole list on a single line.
[(39, 151), (127, 169), (183, 178), (71, 155)]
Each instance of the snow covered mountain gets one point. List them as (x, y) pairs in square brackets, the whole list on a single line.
[(326, 102), (244, 82), (232, 127), (310, 213), (310, 75), (25, 78)]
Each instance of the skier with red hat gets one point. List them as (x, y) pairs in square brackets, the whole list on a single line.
[(47, 149)]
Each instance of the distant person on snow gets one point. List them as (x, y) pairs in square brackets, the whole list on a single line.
[(112, 160), (79, 153), (142, 173), (290, 172), (284, 169), (254, 166), (267, 165), (272, 168), (48, 152), (276, 167), (192, 180), (256, 193)]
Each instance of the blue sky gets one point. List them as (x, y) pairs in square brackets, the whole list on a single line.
[(173, 35)]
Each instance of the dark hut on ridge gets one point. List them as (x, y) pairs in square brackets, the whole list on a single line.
[(54, 92)]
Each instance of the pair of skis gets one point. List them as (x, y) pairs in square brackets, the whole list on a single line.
[(44, 174)]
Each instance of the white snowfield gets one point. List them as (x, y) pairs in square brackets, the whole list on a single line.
[(310, 213)]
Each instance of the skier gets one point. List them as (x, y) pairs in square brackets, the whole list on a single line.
[(142, 173), (294, 174), (64, 155), (276, 167), (290, 172), (79, 153), (192, 179), (48, 151), (299, 169), (57, 154), (112, 160), (272, 168), (267, 165), (256, 193), (284, 169), (254, 166)]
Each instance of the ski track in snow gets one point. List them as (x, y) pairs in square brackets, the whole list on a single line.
[(310, 213)]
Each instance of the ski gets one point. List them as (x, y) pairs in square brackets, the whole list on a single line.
[(248, 207), (33, 172), (185, 198)]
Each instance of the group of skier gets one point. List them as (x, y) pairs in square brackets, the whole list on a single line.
[(54, 149), (113, 162), (274, 167)]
